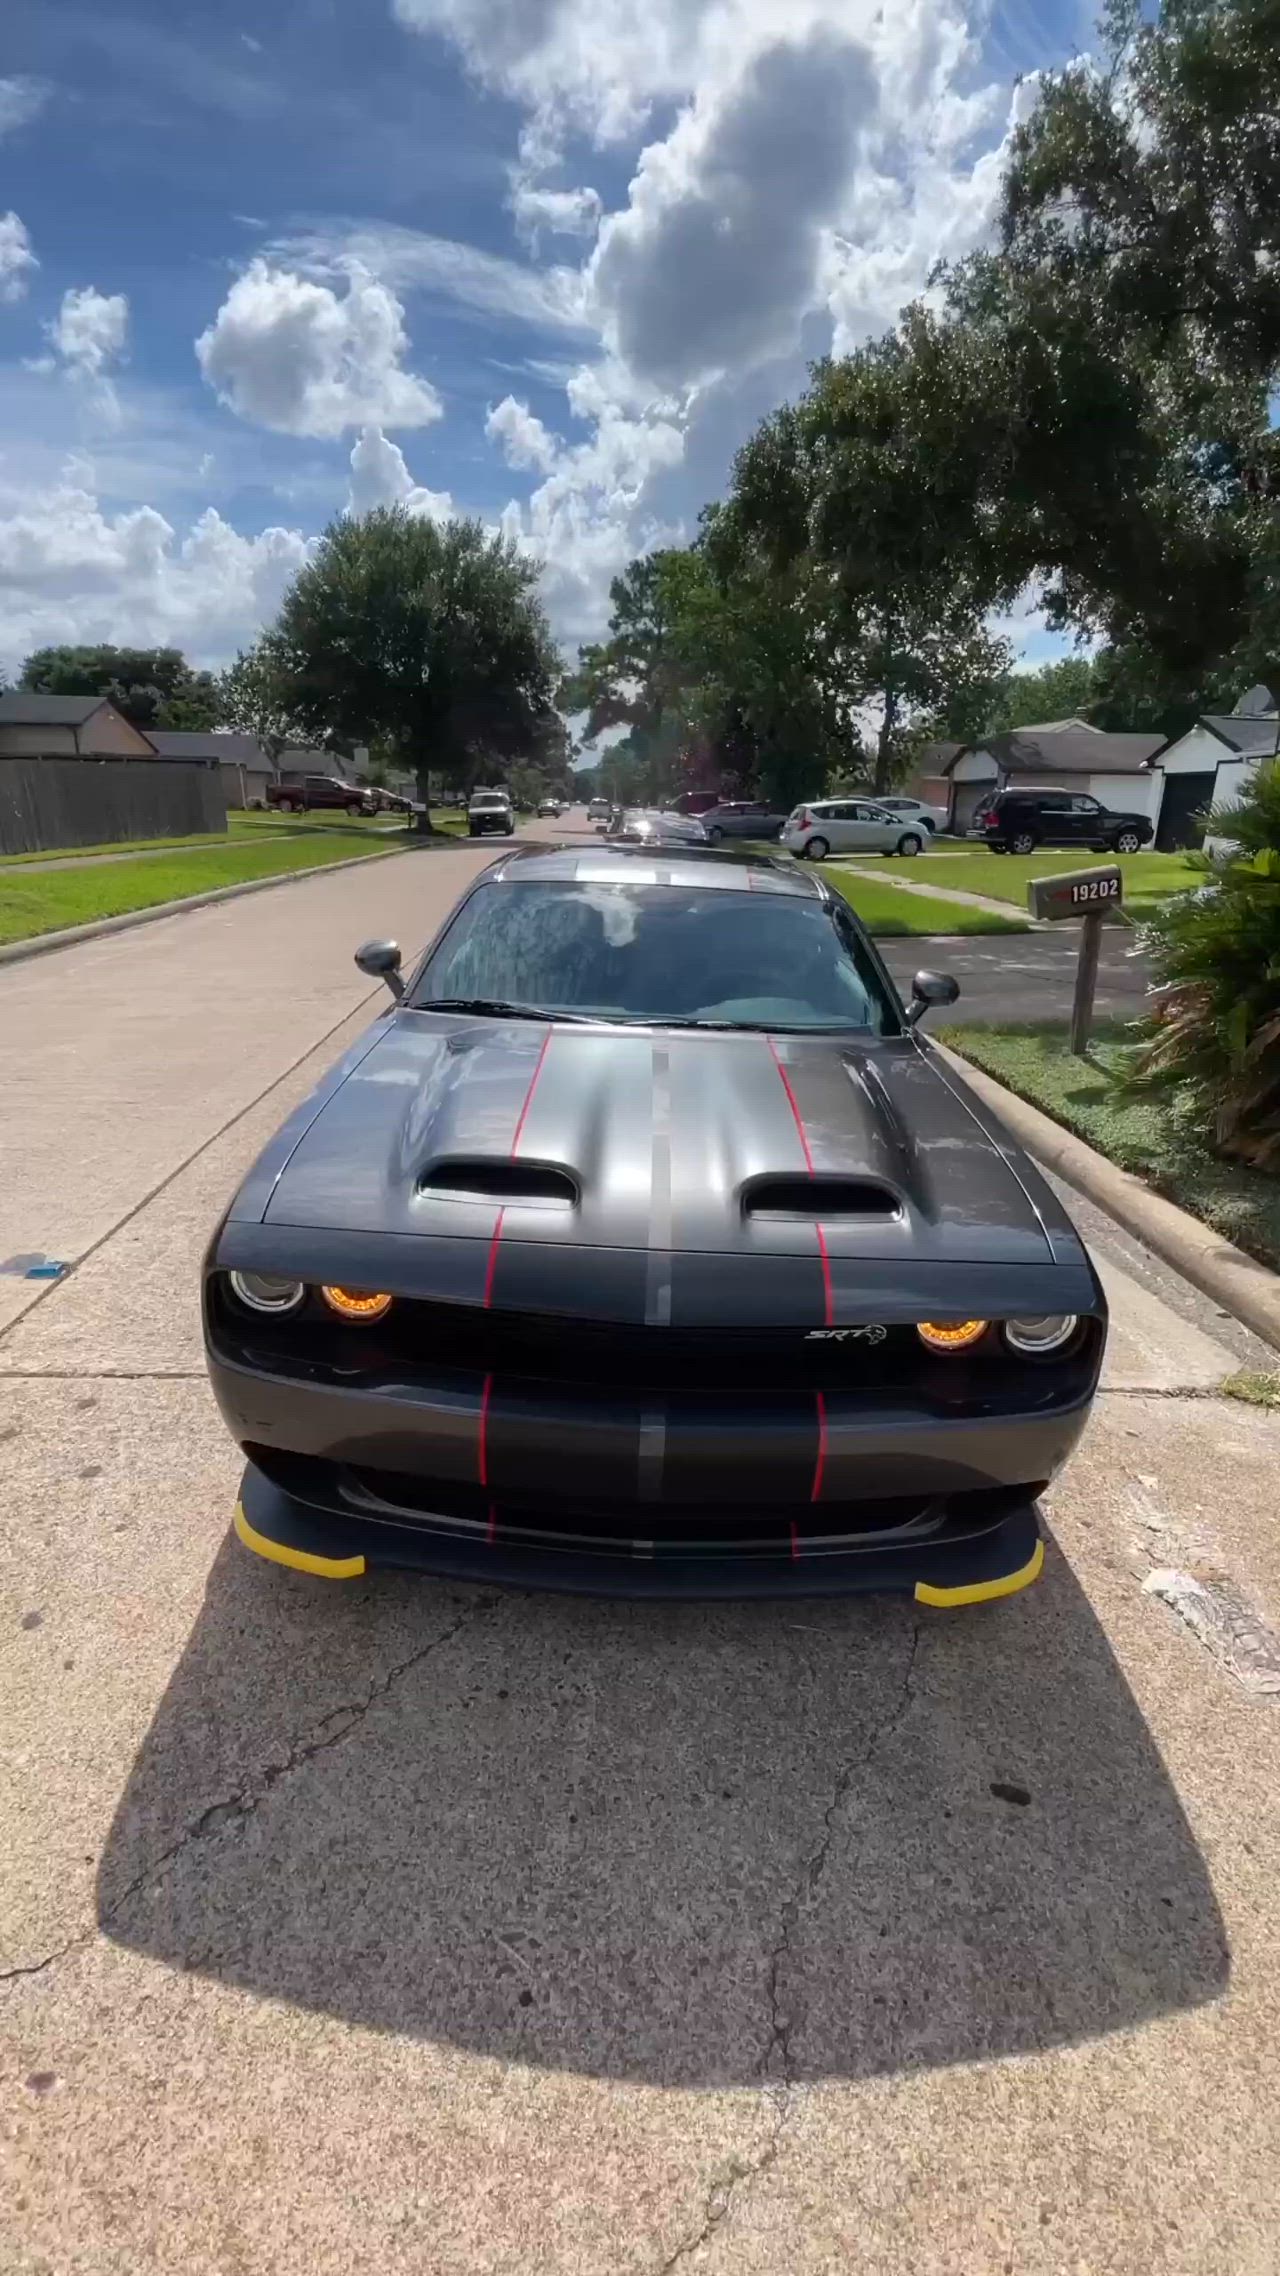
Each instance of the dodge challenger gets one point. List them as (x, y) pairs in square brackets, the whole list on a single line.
[(645, 1245)]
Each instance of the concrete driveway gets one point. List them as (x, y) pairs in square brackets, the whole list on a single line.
[(427, 1928)]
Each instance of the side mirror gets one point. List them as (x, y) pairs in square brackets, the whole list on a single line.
[(928, 990), (381, 960)]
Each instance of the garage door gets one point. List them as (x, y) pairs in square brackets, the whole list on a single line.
[(1185, 797), (969, 797)]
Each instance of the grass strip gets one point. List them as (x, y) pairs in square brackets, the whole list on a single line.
[(1142, 1132), (33, 903), (890, 914)]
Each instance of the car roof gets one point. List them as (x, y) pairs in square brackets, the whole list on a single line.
[(675, 864)]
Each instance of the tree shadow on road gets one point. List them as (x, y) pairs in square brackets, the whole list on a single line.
[(681, 1844)]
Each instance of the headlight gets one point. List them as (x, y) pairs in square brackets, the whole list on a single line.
[(356, 1303), (266, 1292), (950, 1335), (1036, 1337)]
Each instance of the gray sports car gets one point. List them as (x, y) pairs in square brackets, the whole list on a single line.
[(643, 1245)]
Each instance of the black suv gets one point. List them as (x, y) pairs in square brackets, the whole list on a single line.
[(1017, 821)]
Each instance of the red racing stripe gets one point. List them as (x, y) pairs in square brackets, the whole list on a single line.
[(803, 1136), (521, 1120), (815, 1490)]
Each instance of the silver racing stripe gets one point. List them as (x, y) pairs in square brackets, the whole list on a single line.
[(657, 1301)]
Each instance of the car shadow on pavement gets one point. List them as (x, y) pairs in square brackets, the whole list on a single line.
[(682, 1844)]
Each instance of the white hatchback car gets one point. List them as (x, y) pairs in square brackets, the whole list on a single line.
[(850, 825)]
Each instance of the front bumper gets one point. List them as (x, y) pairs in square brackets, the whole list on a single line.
[(981, 1557)]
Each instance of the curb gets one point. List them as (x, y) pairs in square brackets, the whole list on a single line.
[(1215, 1266), (42, 944)]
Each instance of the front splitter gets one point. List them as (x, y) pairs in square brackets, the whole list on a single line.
[(289, 1532)]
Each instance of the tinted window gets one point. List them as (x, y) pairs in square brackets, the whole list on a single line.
[(660, 953), (1085, 806)]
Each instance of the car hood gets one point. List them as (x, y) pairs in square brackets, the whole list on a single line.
[(735, 1145)]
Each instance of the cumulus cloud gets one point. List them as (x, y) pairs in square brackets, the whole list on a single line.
[(525, 442), (16, 257), (380, 477), (89, 330), (21, 100), (582, 521), (716, 258), (294, 355), (69, 569)]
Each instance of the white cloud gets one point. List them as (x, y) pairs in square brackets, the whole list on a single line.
[(798, 167), (554, 213), (16, 257), (296, 356), (21, 100), (89, 330), (525, 442), (380, 477), (411, 260), (69, 569)]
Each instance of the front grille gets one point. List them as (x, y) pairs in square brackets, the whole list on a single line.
[(439, 1343)]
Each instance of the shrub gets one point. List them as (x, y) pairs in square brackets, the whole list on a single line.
[(1217, 953)]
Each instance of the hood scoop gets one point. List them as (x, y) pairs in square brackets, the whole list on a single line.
[(824, 1197), (475, 1178)]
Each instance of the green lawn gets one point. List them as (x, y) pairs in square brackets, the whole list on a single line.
[(1143, 1133), (1148, 877), (34, 903), (886, 912), (213, 839), (254, 827)]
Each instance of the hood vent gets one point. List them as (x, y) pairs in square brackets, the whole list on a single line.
[(505, 1182), (824, 1197)]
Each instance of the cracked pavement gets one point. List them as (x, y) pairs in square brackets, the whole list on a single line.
[(427, 1928)]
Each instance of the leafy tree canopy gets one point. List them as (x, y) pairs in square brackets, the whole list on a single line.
[(153, 687), (426, 636)]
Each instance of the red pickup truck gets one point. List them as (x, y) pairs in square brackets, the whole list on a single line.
[(301, 793)]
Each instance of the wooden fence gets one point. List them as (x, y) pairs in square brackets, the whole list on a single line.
[(93, 802)]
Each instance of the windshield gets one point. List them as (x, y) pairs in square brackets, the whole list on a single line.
[(490, 798), (659, 954)]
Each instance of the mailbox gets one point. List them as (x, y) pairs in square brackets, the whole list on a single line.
[(1078, 893)]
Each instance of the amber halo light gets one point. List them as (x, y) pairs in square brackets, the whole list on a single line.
[(950, 1335), (356, 1303)]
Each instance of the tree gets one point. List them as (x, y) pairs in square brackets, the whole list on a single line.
[(153, 687), (1056, 691), (253, 696), (864, 493), (427, 635)]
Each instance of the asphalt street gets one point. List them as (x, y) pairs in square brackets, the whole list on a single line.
[(429, 1928)]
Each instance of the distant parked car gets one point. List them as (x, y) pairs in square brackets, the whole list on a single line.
[(741, 818), (489, 813), (551, 806), (598, 810), (1017, 821), (653, 826), (850, 825), (915, 810), (307, 793)]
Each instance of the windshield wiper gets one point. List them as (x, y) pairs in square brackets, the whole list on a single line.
[(493, 1007)]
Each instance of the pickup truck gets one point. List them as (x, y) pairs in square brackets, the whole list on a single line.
[(307, 793)]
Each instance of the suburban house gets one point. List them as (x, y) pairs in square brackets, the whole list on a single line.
[(930, 781), (1212, 762), (1117, 770), (67, 727), (245, 768)]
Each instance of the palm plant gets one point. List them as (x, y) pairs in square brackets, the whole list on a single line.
[(1217, 953)]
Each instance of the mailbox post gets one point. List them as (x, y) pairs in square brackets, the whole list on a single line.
[(1087, 894)]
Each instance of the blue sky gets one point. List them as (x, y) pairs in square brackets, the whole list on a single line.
[(546, 261)]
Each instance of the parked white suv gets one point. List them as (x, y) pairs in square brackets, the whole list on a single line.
[(849, 825)]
